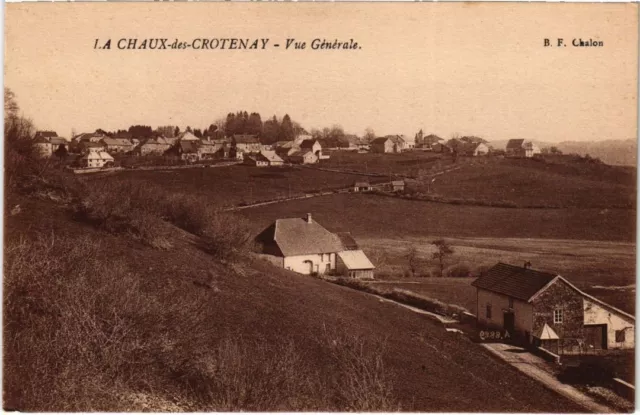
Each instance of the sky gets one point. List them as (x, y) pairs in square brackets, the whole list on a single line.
[(446, 68)]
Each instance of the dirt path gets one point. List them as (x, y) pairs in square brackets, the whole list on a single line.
[(442, 319), (536, 368)]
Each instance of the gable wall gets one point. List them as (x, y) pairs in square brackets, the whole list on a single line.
[(594, 313), (560, 296)]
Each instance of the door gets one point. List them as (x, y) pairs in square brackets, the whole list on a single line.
[(509, 321), (310, 265), (595, 337)]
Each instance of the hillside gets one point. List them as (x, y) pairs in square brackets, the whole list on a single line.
[(551, 182), (137, 328), (613, 152)]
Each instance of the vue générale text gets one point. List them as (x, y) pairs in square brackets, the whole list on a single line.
[(224, 44)]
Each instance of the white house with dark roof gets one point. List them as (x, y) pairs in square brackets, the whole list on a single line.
[(96, 157), (304, 246), (548, 311)]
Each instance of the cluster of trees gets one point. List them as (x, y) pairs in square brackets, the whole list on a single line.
[(269, 131), (443, 250), (550, 150), (332, 137)]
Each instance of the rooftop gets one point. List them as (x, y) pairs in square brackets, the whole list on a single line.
[(517, 282)]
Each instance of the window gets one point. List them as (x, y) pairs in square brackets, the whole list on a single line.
[(510, 302), (557, 316), (489, 311), (620, 336)]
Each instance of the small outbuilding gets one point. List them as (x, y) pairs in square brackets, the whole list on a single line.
[(354, 264), (362, 186), (397, 185)]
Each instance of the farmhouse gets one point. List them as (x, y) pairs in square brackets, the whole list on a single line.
[(285, 148), (256, 160), (519, 147), (303, 157), (91, 137), (388, 144), (48, 144), (117, 145), (211, 149), (272, 158), (397, 185), (46, 135), (187, 136), (87, 146), (362, 186), (246, 143), (312, 145), (152, 146), (549, 312), (263, 159), (472, 149), (96, 157), (304, 246), (184, 150)]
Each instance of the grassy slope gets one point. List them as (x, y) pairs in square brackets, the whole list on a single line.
[(528, 182), (228, 186), (408, 163), (435, 370), (376, 216)]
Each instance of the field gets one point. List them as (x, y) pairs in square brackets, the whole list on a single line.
[(410, 163), (230, 186), (533, 182), (599, 255), (603, 269), (381, 216)]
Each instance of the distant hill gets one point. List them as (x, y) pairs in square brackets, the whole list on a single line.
[(614, 152), (550, 182)]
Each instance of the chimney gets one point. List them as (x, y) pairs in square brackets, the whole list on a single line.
[(309, 220)]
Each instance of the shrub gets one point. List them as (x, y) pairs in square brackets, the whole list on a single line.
[(460, 270), (186, 212), (84, 333), (481, 270)]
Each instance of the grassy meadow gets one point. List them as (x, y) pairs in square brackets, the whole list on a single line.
[(603, 269), (382, 216), (411, 163), (234, 185), (537, 182)]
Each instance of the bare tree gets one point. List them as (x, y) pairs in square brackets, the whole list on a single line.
[(369, 135), (443, 250), (11, 107), (412, 260), (379, 257)]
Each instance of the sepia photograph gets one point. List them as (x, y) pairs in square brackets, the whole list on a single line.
[(320, 207)]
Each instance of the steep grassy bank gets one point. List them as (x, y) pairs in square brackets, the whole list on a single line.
[(106, 322)]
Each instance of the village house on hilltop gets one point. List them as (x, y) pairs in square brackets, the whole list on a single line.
[(519, 147), (388, 144), (550, 312), (304, 246), (48, 142)]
